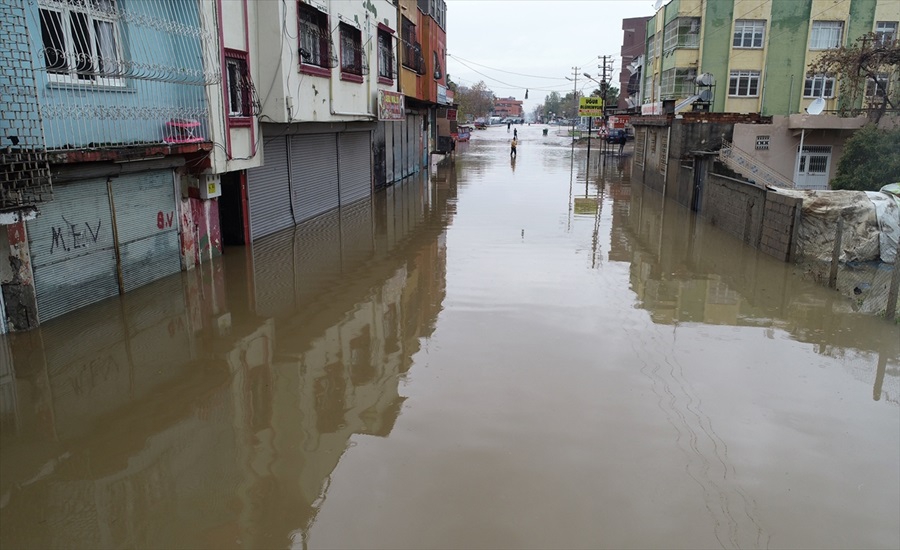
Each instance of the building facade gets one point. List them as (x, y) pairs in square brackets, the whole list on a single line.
[(634, 32), (506, 107), (140, 137), (767, 49)]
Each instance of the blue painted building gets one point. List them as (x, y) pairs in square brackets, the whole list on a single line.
[(108, 98)]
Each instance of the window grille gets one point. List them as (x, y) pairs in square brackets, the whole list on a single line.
[(316, 48), (762, 143), (243, 101), (353, 59), (81, 41), (386, 60)]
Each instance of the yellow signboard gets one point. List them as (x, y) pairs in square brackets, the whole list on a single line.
[(590, 106)]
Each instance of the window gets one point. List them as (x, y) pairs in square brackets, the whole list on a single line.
[(352, 60), (743, 84), (762, 143), (885, 32), (873, 90), (315, 42), (408, 35), (385, 56), (438, 72), (81, 41), (748, 33), (818, 86), (239, 85), (683, 32), (651, 47), (677, 82), (826, 35)]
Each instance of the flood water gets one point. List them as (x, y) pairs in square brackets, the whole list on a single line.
[(511, 354)]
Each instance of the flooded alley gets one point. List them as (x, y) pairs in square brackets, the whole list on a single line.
[(514, 352)]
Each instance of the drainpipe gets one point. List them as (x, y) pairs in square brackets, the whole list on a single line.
[(368, 76)]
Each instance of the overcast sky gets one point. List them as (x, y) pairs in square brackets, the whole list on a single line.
[(541, 40)]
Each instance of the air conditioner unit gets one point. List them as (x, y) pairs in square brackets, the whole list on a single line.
[(210, 186)]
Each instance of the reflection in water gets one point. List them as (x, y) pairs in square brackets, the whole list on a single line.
[(209, 409), (686, 271)]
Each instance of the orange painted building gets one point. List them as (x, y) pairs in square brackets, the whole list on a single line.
[(508, 107)]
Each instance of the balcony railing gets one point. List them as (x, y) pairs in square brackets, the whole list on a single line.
[(751, 168)]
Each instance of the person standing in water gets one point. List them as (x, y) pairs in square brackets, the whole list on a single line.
[(513, 144)]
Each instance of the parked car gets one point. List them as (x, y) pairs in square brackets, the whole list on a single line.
[(615, 135)]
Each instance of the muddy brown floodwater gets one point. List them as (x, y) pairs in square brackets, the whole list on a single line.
[(514, 353)]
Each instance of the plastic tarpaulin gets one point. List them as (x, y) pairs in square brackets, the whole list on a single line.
[(871, 224)]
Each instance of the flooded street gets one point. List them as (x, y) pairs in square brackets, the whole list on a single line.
[(514, 353)]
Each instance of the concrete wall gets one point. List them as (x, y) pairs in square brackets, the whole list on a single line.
[(763, 219)]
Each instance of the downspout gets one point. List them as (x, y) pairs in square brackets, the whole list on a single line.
[(368, 77)]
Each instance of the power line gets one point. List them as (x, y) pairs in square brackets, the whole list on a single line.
[(501, 70)]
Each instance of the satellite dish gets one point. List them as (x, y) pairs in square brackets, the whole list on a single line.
[(816, 107)]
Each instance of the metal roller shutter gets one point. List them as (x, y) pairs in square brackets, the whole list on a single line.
[(402, 145), (389, 151), (72, 249), (411, 145), (314, 175), (269, 192), (147, 223), (356, 166)]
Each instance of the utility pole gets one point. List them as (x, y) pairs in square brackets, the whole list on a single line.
[(575, 96), (605, 65)]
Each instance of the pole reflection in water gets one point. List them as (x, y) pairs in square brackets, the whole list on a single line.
[(209, 409)]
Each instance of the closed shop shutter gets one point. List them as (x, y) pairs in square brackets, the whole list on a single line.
[(403, 146), (389, 151), (147, 223), (314, 175), (356, 166), (411, 146), (72, 249), (268, 191)]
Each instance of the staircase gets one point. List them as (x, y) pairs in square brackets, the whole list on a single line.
[(751, 168)]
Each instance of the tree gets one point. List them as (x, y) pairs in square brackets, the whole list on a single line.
[(870, 160), (474, 102), (612, 96), (551, 105), (537, 113), (867, 65)]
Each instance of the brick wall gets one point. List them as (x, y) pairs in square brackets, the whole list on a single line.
[(24, 171)]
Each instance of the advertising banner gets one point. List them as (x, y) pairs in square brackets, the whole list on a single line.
[(390, 105), (590, 106)]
